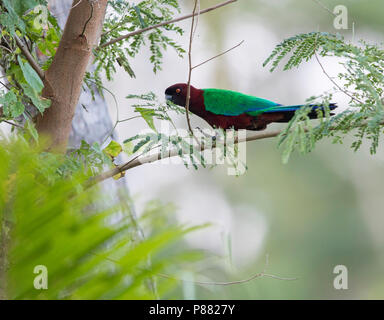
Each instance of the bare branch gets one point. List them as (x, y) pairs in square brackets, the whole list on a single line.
[(324, 7), (165, 23), (230, 283), (219, 55), (334, 82), (188, 98), (12, 124), (29, 57), (262, 274), (330, 78), (196, 10), (5, 48)]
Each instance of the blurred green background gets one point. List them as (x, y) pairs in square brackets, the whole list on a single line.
[(316, 212)]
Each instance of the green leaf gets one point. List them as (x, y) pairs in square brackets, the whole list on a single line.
[(147, 115), (11, 106), (22, 6), (123, 62), (128, 148), (141, 144), (31, 76), (113, 149), (10, 19), (40, 103), (290, 144), (142, 23), (8, 98), (18, 109), (31, 130)]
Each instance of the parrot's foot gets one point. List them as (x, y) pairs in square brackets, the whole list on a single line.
[(214, 138)]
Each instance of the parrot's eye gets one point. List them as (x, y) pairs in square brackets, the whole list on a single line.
[(178, 90)]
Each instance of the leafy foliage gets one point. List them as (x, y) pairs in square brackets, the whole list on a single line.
[(123, 18), (150, 109), (362, 80), (90, 159), (90, 248), (18, 18)]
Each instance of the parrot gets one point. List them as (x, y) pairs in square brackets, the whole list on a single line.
[(227, 109)]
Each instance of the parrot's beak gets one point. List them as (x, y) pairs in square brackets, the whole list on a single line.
[(168, 97)]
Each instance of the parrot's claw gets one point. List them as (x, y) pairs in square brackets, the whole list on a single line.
[(214, 138)]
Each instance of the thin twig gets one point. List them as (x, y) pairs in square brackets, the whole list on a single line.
[(60, 13), (324, 7), (117, 24), (5, 48), (164, 24), (217, 56), (131, 118), (12, 124), (231, 283), (262, 274), (329, 77), (29, 57), (76, 5), (5, 86), (5, 39), (188, 98), (335, 83)]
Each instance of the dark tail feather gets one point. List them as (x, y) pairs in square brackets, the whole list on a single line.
[(288, 115)]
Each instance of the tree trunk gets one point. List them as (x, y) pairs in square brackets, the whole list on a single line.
[(64, 78), (91, 121)]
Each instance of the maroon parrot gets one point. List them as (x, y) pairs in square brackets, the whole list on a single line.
[(229, 109)]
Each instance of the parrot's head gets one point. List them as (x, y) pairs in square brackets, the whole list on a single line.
[(178, 93)]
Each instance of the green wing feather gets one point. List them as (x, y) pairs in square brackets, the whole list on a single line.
[(231, 103)]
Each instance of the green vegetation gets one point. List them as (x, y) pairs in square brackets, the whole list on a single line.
[(364, 84), (95, 247), (92, 249)]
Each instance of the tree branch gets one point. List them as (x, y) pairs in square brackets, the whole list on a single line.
[(137, 161), (29, 57), (164, 24)]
